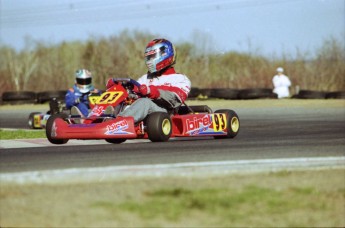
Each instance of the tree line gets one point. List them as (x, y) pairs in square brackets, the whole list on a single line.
[(43, 67)]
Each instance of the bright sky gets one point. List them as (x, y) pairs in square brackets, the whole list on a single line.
[(269, 27)]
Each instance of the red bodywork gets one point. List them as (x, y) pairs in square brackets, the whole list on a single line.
[(99, 126)]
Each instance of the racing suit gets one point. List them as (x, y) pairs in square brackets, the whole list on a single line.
[(171, 90), (74, 97)]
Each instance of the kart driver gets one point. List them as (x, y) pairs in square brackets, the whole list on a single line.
[(161, 88), (76, 98)]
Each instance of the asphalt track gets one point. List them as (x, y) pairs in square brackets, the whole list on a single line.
[(266, 133)]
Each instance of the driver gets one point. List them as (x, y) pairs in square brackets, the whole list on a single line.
[(76, 98), (161, 87)]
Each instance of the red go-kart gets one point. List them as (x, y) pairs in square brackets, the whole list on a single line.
[(185, 121)]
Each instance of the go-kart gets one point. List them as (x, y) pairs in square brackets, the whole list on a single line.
[(184, 121), (38, 120)]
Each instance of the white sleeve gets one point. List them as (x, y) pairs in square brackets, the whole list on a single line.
[(143, 79), (276, 81), (287, 81)]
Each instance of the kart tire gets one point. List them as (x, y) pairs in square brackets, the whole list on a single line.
[(224, 93), (310, 94), (194, 92), (205, 93), (31, 120), (246, 94), (24, 97), (159, 126), (46, 96), (115, 141), (335, 95), (233, 122), (49, 127)]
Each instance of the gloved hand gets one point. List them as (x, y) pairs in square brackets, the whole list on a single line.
[(94, 91), (149, 91), (82, 98), (110, 83)]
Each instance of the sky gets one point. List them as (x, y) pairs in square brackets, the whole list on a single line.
[(267, 27)]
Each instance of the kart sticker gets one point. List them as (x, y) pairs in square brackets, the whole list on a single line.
[(37, 121), (109, 97), (53, 132), (118, 128), (219, 122), (93, 99), (97, 111), (196, 125), (208, 124)]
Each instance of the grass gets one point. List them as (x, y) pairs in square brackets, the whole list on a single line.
[(310, 198), (21, 134)]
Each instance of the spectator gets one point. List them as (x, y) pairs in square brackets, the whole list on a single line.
[(281, 84)]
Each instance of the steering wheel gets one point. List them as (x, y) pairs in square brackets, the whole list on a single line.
[(127, 82)]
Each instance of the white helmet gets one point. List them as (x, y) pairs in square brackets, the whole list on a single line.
[(83, 79), (280, 70)]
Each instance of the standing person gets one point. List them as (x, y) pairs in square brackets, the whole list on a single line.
[(281, 84), (162, 88), (76, 97)]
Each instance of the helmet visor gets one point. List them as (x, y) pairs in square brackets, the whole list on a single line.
[(151, 55), (84, 81), (154, 52)]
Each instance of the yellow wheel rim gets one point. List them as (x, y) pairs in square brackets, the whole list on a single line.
[(166, 126), (235, 124)]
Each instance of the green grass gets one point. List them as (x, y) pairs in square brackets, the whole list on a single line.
[(22, 134), (309, 198)]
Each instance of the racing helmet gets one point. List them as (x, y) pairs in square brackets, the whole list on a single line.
[(280, 70), (83, 79), (159, 54)]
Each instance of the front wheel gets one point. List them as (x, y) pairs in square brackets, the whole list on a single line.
[(50, 128), (159, 126), (233, 123)]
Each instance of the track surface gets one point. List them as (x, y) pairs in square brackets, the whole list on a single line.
[(264, 134)]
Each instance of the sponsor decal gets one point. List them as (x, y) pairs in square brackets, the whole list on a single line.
[(208, 124), (196, 125), (97, 111), (37, 120), (93, 99), (118, 128), (219, 122), (109, 97), (53, 132)]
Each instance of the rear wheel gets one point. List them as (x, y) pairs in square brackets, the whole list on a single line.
[(159, 126), (31, 120), (50, 128), (233, 123), (115, 141)]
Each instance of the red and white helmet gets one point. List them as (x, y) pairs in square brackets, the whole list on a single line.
[(159, 54)]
